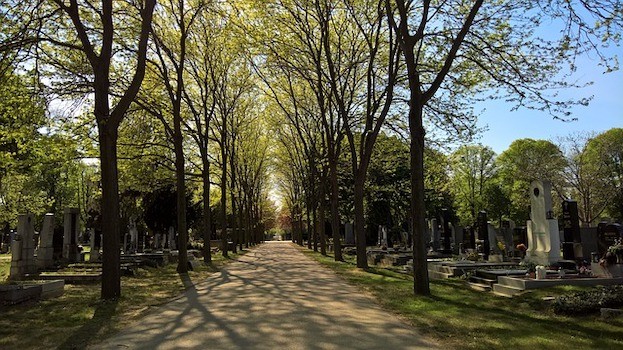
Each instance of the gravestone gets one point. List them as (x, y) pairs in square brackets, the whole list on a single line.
[(94, 255), (349, 234), (434, 234), (494, 238), (589, 236), (157, 241), (133, 231), (469, 237), (446, 233), (482, 226), (506, 232), (382, 236), (70, 235), (543, 235), (457, 235), (23, 248), (607, 235), (171, 238), (45, 252), (571, 231)]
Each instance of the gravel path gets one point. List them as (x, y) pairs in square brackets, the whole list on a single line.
[(274, 297)]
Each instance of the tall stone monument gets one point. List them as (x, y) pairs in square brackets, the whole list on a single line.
[(45, 251), (23, 248), (571, 247), (349, 233), (543, 236), (70, 235)]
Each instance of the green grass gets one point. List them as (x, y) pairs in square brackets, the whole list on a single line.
[(79, 316), (461, 318)]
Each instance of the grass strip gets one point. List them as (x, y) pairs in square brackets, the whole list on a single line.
[(80, 317), (461, 318)]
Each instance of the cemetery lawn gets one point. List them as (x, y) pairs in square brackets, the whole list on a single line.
[(79, 316), (461, 318)]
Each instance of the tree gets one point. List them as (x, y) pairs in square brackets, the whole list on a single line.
[(171, 30), (88, 31), (473, 168), (453, 50), (524, 161), (605, 152)]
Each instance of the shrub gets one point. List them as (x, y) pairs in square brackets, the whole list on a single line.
[(586, 302)]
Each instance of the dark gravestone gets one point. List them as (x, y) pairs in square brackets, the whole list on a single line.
[(589, 237), (607, 235), (57, 242), (446, 232), (571, 228), (483, 233), (520, 236), (469, 237)]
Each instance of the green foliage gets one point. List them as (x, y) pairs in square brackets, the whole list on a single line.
[(473, 168), (605, 153), (590, 301), (387, 187), (524, 161)]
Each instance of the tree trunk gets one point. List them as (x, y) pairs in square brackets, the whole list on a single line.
[(360, 229), (309, 225), (322, 210), (315, 227), (335, 213), (224, 199), (418, 211), (234, 223), (207, 219), (180, 173), (111, 276)]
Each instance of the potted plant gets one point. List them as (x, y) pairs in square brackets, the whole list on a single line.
[(530, 266)]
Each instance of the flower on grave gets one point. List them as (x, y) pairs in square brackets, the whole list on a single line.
[(501, 246), (617, 247), (521, 247)]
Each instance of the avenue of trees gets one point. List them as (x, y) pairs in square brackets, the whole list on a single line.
[(351, 109)]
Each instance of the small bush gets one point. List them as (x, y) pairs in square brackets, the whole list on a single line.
[(586, 302)]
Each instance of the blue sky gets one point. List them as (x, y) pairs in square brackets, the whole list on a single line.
[(604, 112)]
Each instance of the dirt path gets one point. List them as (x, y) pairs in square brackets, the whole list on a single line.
[(272, 298)]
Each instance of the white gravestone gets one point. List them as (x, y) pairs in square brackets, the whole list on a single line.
[(543, 235)]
